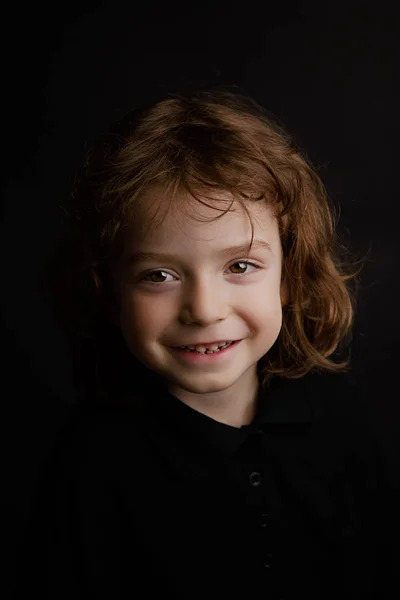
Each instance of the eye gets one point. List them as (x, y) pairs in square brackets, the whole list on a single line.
[(154, 274), (156, 277), (246, 263)]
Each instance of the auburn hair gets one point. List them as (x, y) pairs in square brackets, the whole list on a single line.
[(199, 143)]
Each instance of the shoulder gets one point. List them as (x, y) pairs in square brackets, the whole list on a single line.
[(98, 439), (338, 397), (338, 419), (348, 413)]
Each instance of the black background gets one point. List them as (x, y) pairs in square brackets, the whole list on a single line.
[(327, 70)]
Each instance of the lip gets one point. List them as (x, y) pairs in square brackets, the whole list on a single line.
[(204, 343), (196, 358)]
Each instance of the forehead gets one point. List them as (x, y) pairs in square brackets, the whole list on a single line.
[(163, 222)]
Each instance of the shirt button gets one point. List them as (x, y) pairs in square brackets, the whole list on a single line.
[(255, 478), (264, 522)]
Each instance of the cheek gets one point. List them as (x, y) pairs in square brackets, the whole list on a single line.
[(140, 316), (265, 321), (264, 309)]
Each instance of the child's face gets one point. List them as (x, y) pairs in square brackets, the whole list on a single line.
[(201, 295)]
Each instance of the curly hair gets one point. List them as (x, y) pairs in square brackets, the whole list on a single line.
[(199, 142)]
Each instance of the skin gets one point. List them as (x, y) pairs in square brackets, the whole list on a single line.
[(201, 296)]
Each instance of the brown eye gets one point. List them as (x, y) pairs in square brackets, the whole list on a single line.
[(246, 263), (154, 277)]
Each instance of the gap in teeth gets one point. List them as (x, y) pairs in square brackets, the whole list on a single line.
[(208, 350)]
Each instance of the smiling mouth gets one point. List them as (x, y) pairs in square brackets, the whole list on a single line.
[(202, 351), (210, 349), (198, 344)]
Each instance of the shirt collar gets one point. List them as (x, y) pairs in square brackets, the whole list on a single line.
[(184, 433)]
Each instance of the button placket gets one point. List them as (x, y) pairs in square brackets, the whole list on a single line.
[(268, 560), (268, 556), (255, 478), (264, 523)]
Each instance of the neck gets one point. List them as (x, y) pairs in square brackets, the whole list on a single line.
[(235, 406)]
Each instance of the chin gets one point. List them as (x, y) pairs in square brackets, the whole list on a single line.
[(210, 387)]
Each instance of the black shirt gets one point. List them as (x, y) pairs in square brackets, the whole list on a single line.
[(148, 498)]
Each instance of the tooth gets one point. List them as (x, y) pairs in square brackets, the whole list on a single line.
[(204, 349)]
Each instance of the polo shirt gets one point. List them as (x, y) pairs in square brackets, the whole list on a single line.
[(146, 497)]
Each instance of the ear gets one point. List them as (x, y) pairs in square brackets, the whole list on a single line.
[(115, 320), (284, 294), (113, 315), (111, 306)]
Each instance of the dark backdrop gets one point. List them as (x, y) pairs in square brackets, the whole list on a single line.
[(327, 70)]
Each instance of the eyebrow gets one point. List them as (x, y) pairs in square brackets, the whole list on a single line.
[(228, 251)]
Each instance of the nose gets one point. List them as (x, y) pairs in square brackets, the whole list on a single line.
[(203, 303)]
